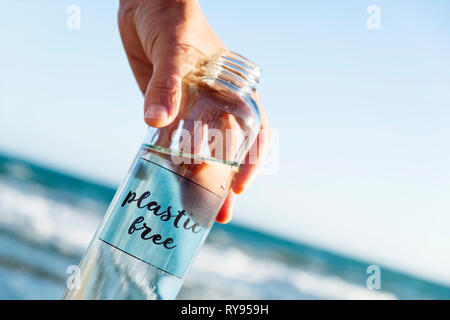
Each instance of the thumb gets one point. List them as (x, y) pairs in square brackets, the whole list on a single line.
[(163, 94)]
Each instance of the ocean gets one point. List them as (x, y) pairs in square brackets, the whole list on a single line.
[(47, 219)]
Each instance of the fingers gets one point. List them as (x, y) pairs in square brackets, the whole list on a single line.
[(137, 57), (226, 211), (254, 159), (163, 94), (159, 28)]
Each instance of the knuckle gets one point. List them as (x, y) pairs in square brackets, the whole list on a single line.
[(126, 11), (166, 82)]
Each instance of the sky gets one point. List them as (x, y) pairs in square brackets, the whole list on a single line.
[(361, 115)]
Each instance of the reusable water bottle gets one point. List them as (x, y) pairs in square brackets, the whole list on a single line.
[(167, 203)]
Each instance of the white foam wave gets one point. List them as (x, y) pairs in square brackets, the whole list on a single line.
[(222, 273), (259, 273), (30, 215)]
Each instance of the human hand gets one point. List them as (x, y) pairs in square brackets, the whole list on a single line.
[(162, 38)]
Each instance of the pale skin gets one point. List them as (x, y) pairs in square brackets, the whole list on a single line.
[(160, 38)]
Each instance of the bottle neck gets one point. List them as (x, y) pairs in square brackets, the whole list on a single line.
[(233, 71)]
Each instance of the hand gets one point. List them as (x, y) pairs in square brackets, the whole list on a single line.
[(161, 39)]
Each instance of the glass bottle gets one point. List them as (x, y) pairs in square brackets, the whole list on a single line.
[(167, 203)]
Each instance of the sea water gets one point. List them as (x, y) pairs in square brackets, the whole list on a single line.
[(47, 219), (157, 221)]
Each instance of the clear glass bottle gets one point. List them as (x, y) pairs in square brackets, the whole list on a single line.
[(166, 205)]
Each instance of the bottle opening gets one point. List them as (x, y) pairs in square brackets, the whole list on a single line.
[(233, 71)]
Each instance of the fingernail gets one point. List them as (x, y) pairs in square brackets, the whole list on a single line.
[(156, 112)]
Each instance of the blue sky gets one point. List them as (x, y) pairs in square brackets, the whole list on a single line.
[(363, 115)]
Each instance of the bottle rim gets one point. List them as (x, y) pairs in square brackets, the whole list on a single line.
[(233, 71)]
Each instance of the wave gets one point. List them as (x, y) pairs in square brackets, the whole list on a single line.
[(247, 277), (27, 214), (47, 220)]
